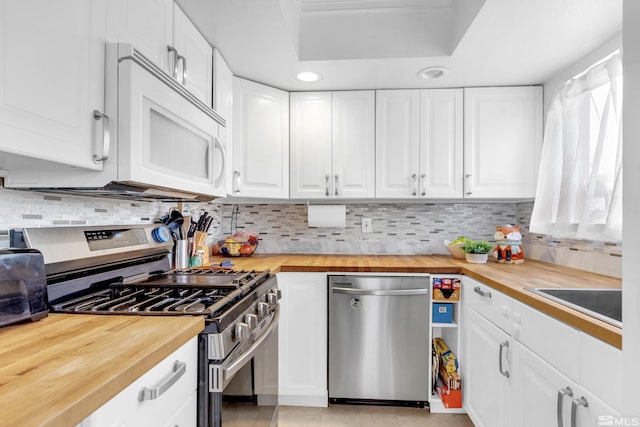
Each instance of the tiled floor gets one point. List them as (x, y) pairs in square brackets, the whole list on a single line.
[(349, 416), (367, 416)]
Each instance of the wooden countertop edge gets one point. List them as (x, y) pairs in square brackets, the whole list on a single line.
[(89, 403), (592, 326), (74, 407), (284, 263)]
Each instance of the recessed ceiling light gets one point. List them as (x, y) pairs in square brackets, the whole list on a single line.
[(430, 73), (308, 76)]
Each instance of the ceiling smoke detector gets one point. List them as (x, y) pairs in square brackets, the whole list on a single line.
[(308, 76), (431, 73)]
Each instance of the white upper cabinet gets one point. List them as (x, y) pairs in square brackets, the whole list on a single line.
[(165, 36), (223, 104), (397, 140), (52, 58), (310, 155), (441, 143), (419, 143), (503, 139), (260, 140), (332, 145), (195, 66), (147, 24)]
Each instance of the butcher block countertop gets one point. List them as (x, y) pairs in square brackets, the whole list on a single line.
[(511, 279), (59, 370)]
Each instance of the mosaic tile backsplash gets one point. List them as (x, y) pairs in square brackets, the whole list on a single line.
[(398, 228)]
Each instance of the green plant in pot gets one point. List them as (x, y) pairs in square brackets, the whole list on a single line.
[(477, 251)]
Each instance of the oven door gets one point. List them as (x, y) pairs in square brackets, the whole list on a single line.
[(245, 385), (164, 139)]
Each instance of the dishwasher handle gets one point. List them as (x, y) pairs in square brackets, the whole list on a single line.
[(381, 292)]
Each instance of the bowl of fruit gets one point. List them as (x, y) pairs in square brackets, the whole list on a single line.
[(243, 243), (455, 247)]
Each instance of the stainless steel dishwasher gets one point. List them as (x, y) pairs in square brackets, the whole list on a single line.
[(379, 343)]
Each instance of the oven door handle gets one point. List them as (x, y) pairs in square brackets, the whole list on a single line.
[(233, 368)]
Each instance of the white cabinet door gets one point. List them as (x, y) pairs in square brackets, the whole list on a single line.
[(502, 141), (260, 140), (487, 372), (147, 24), (52, 58), (302, 345), (310, 156), (353, 144), (538, 390), (441, 143), (543, 395), (223, 104), (332, 145), (196, 68), (397, 141)]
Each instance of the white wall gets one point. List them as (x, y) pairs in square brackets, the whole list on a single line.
[(631, 198)]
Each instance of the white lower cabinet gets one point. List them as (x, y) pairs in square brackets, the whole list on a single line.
[(555, 372), (487, 381), (543, 396), (302, 340), (173, 381)]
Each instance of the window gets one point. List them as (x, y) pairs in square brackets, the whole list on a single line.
[(579, 192)]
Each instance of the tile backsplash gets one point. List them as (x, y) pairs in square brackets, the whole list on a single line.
[(398, 228)]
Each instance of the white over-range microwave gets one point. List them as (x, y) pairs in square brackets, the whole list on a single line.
[(158, 140)]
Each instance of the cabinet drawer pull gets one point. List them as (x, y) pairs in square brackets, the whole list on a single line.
[(179, 368), (106, 136), (559, 410), (184, 69), (482, 293), (173, 58), (236, 181), (574, 409), (414, 184), (502, 347), (326, 185)]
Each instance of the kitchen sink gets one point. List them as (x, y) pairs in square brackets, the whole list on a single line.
[(603, 304)]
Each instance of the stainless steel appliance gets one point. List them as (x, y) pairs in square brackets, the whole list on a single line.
[(379, 340), (23, 286), (159, 140), (126, 270)]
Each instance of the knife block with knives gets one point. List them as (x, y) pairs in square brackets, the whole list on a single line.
[(197, 235)]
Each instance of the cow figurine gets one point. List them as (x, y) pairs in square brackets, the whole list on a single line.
[(509, 244)]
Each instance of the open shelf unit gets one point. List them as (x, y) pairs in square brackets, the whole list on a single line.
[(450, 333)]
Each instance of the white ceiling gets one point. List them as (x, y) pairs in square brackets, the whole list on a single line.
[(374, 44)]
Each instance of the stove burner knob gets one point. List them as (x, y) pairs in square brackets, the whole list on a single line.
[(241, 332), (277, 292), (263, 309), (251, 320), (272, 299), (161, 234)]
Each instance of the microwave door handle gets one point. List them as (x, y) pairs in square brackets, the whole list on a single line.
[(223, 159), (106, 136)]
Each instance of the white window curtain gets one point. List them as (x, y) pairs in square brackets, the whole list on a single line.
[(579, 192)]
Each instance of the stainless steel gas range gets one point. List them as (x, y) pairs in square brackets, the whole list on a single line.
[(125, 270)]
